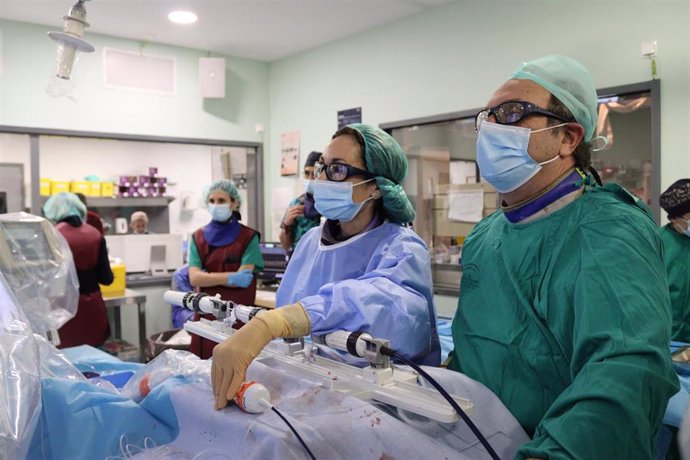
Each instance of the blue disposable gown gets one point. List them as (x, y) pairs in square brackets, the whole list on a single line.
[(378, 282), (567, 320)]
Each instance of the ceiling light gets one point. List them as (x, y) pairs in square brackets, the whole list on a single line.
[(70, 44), (182, 17)]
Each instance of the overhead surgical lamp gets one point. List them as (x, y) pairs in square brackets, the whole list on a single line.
[(70, 43)]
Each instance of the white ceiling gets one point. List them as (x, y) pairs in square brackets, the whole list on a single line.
[(257, 29)]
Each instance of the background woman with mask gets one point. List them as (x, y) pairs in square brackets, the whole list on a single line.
[(301, 214), (90, 325), (223, 254), (676, 237), (362, 270)]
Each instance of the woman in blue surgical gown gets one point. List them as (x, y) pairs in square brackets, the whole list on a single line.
[(362, 270)]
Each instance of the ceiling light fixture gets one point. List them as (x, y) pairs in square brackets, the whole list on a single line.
[(70, 44), (182, 17)]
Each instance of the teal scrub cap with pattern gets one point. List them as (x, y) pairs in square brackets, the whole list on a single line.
[(570, 82), (388, 162)]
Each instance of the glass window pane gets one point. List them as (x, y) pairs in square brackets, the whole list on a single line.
[(626, 122)]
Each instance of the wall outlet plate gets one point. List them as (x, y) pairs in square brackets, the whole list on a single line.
[(648, 49)]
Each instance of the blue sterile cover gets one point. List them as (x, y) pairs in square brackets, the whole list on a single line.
[(82, 420)]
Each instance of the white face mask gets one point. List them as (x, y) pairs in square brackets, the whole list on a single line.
[(685, 228), (220, 212)]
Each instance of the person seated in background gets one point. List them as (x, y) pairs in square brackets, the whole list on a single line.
[(564, 310), (90, 324), (363, 269), (139, 223), (92, 218), (301, 215), (223, 255), (676, 237), (180, 282)]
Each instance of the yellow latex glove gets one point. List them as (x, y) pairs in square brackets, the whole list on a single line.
[(232, 357)]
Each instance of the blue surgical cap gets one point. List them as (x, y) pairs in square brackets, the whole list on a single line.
[(64, 205), (570, 82), (387, 161), (224, 185)]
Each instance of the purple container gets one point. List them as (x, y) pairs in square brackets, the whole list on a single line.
[(153, 171)]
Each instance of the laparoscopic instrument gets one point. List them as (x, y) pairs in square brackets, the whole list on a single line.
[(381, 380)]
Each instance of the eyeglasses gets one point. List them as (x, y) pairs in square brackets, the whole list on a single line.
[(512, 112), (338, 172)]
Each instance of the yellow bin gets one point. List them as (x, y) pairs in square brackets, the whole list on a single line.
[(94, 189), (80, 186), (57, 186), (107, 189), (118, 285), (45, 187)]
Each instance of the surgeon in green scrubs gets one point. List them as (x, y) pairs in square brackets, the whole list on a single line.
[(564, 310), (676, 237)]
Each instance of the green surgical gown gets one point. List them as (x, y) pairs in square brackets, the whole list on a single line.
[(567, 319), (677, 259)]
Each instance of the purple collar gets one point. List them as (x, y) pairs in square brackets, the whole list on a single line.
[(331, 233), (222, 233), (570, 184)]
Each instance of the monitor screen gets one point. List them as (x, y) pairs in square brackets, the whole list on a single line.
[(27, 240), (275, 260)]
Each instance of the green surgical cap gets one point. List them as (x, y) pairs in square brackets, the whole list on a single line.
[(387, 161), (63, 205), (570, 82), (224, 185)]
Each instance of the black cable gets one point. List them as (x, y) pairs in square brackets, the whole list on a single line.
[(394, 354), (595, 174), (304, 444)]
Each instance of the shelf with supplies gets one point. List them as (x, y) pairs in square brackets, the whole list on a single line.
[(138, 202)]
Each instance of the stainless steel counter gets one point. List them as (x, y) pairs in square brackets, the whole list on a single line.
[(130, 297)]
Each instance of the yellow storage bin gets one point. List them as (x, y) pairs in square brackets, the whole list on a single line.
[(45, 187), (79, 186), (57, 186), (107, 188), (94, 189), (118, 285)]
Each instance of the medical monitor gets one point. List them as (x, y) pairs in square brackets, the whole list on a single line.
[(275, 261), (147, 253), (25, 243)]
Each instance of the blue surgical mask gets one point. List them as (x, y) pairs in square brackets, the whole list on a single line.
[(333, 200), (503, 158), (220, 212)]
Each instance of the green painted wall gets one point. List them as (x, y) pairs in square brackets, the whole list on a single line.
[(29, 60), (452, 58)]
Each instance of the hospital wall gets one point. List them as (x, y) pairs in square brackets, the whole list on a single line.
[(444, 60), (28, 60), (452, 59)]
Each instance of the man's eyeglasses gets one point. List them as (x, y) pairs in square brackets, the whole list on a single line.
[(338, 172), (511, 112)]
